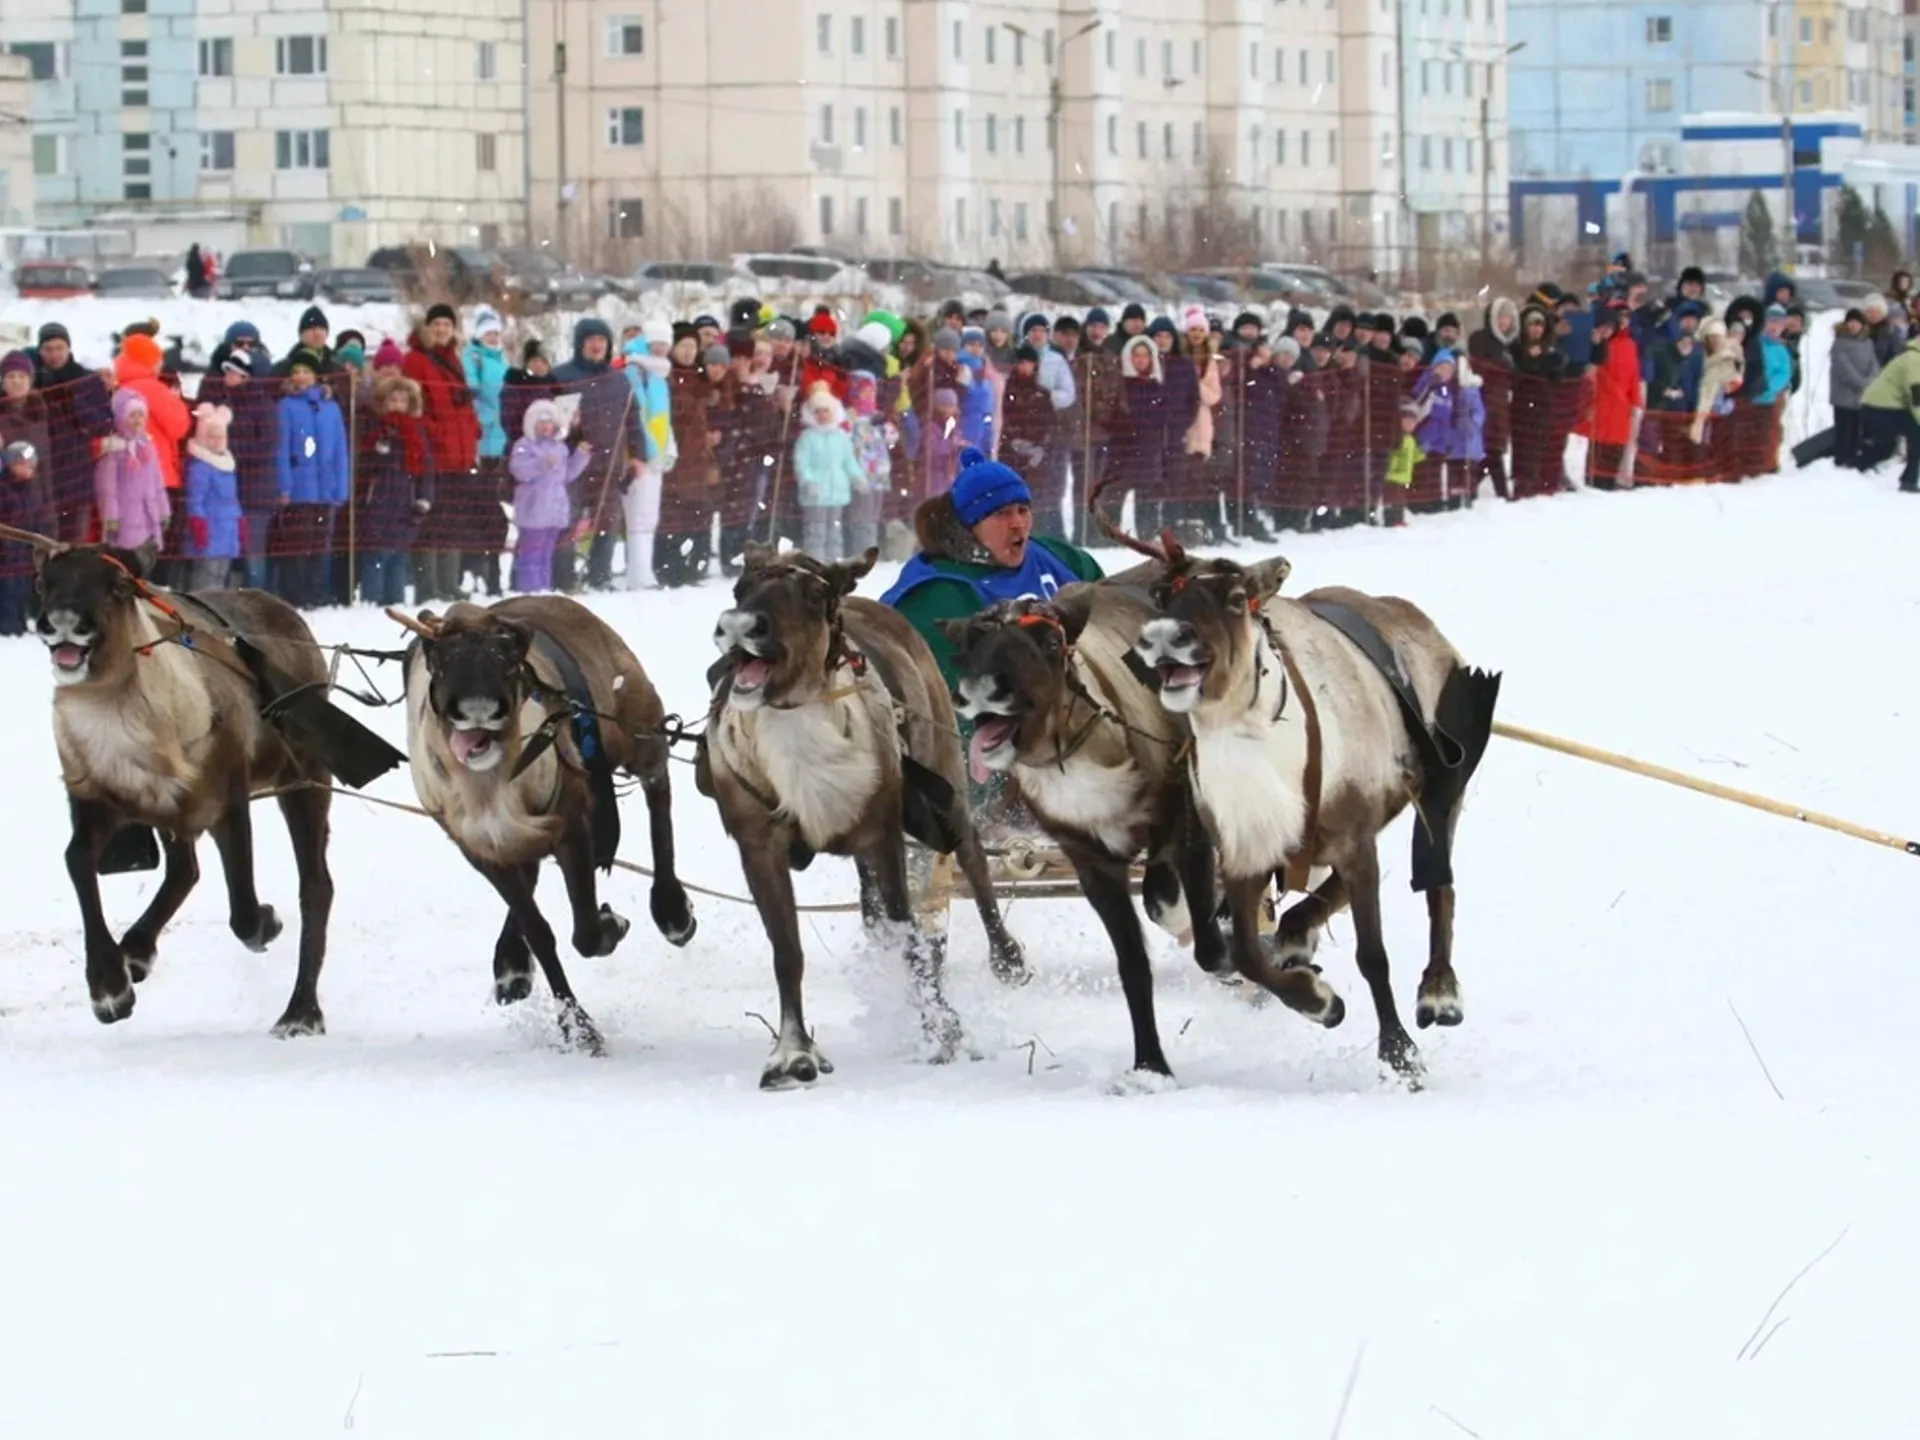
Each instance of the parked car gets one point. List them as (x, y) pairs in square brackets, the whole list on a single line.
[(1081, 289), (1209, 289), (780, 271), (133, 282), (356, 285), (51, 280), (421, 272), (540, 280), (286, 274), (672, 278)]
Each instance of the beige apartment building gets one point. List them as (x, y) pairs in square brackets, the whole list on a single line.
[(1175, 130), (16, 145)]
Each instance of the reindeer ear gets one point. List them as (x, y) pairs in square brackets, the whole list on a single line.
[(954, 630), (1265, 579), (1074, 606), (846, 576), (521, 632), (758, 554), (43, 552)]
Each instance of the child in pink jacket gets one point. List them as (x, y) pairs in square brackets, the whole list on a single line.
[(128, 484)]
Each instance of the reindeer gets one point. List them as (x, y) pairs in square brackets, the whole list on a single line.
[(832, 733), (518, 715), (172, 712), (1097, 759), (1315, 721)]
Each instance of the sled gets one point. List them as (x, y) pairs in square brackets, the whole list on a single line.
[(1814, 447)]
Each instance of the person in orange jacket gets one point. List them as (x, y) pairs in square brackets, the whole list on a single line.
[(137, 368), (1619, 399)]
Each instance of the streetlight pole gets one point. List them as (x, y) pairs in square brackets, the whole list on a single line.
[(560, 138), (1056, 130), (1486, 144)]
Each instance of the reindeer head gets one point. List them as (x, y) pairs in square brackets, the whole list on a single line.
[(782, 636), (477, 681), (88, 598), (1205, 643), (1013, 659)]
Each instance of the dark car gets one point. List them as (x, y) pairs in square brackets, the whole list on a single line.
[(1080, 289), (538, 280), (285, 274), (133, 282), (440, 272), (356, 286)]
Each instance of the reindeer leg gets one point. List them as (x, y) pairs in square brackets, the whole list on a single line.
[(1439, 1002), (925, 951), (108, 985), (512, 960), (1104, 882), (1199, 881), (143, 936), (796, 1060), (514, 883), (1298, 936), (873, 911), (306, 812), (597, 930), (672, 911), (1004, 955), (1299, 987), (1361, 868), (254, 925)]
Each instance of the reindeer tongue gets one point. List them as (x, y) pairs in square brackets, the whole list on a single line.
[(68, 657), (988, 735), (467, 743), (752, 672)]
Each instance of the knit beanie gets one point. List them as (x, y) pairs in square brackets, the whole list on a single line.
[(484, 319), (442, 311), (17, 360), (985, 486), (657, 332), (54, 330), (210, 424), (947, 340), (388, 356), (142, 350), (314, 318), (875, 336), (303, 358), (715, 355), (1098, 316)]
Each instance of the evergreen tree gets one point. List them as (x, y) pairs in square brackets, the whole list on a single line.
[(1853, 227), (1759, 255), (1884, 251)]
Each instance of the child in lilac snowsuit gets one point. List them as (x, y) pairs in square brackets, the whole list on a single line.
[(128, 484), (542, 468)]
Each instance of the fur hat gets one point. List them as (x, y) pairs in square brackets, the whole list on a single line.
[(743, 314), (984, 487), (540, 411), (210, 424), (387, 387)]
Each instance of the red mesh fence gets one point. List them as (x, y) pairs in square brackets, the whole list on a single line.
[(319, 492)]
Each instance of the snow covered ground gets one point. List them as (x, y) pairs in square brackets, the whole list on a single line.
[(431, 1223)]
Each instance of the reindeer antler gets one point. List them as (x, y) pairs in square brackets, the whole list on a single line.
[(423, 630), (1168, 552), (33, 538)]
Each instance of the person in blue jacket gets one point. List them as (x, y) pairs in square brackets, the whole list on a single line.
[(311, 463), (1777, 359)]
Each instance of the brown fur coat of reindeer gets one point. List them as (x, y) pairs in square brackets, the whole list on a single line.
[(1098, 760), (1315, 722), (516, 764), (832, 733), (158, 719)]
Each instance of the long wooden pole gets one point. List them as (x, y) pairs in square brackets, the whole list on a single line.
[(1704, 787)]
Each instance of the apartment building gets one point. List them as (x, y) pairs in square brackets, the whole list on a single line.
[(1094, 130), (16, 144), (332, 126)]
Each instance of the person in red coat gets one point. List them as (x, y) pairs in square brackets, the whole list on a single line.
[(1619, 398), (435, 364)]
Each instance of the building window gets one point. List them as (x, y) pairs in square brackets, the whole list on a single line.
[(1659, 29), (1659, 94), (46, 154), (1303, 67), (1279, 147), (1426, 77), (1279, 67), (1113, 134), (1469, 154), (1806, 92), (960, 130), (1113, 51), (823, 34), (1166, 59), (626, 36), (1806, 31), (1306, 147), (860, 216), (1166, 141), (1140, 137), (993, 135), (992, 34), (1426, 152), (133, 7), (1253, 62), (627, 125), (486, 151), (301, 150), (1020, 49), (959, 40), (1199, 141), (893, 38), (138, 189), (1140, 56), (993, 219), (826, 215), (1196, 57), (216, 150), (857, 35), (960, 218), (44, 58), (1020, 220), (826, 124), (1253, 150), (1330, 67), (896, 215), (486, 61), (216, 59), (627, 220), (1333, 147), (860, 128), (895, 127), (1446, 154), (300, 55)]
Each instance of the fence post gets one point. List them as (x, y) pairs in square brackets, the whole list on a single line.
[(353, 489)]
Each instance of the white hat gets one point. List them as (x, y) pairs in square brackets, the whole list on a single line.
[(657, 332), (876, 335), (484, 319)]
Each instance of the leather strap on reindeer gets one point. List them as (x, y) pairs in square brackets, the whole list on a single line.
[(576, 704), (1300, 863)]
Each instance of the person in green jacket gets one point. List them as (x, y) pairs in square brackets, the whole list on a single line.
[(1890, 410), (977, 547)]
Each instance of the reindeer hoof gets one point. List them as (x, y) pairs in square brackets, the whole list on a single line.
[(1144, 1080), (578, 1032), (1438, 1006), (946, 1037), (673, 915), (139, 951), (512, 989), (298, 1021), (265, 933), (1009, 963), (613, 929), (109, 1008), (1400, 1054), (792, 1069), (1301, 989)]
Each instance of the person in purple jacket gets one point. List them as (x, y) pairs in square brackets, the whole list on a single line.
[(543, 468)]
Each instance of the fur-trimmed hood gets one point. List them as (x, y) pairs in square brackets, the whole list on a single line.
[(385, 388), (936, 525), (1127, 372), (822, 398), (542, 410)]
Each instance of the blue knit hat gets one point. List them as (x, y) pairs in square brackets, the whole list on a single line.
[(984, 486)]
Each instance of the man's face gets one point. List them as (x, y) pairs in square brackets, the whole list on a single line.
[(594, 349), (1692, 290), (1036, 336), (1097, 332), (1164, 340), (1449, 335), (55, 353), (1025, 369), (1689, 324), (1067, 342), (439, 330), (707, 335), (1636, 296), (1005, 534), (314, 337)]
